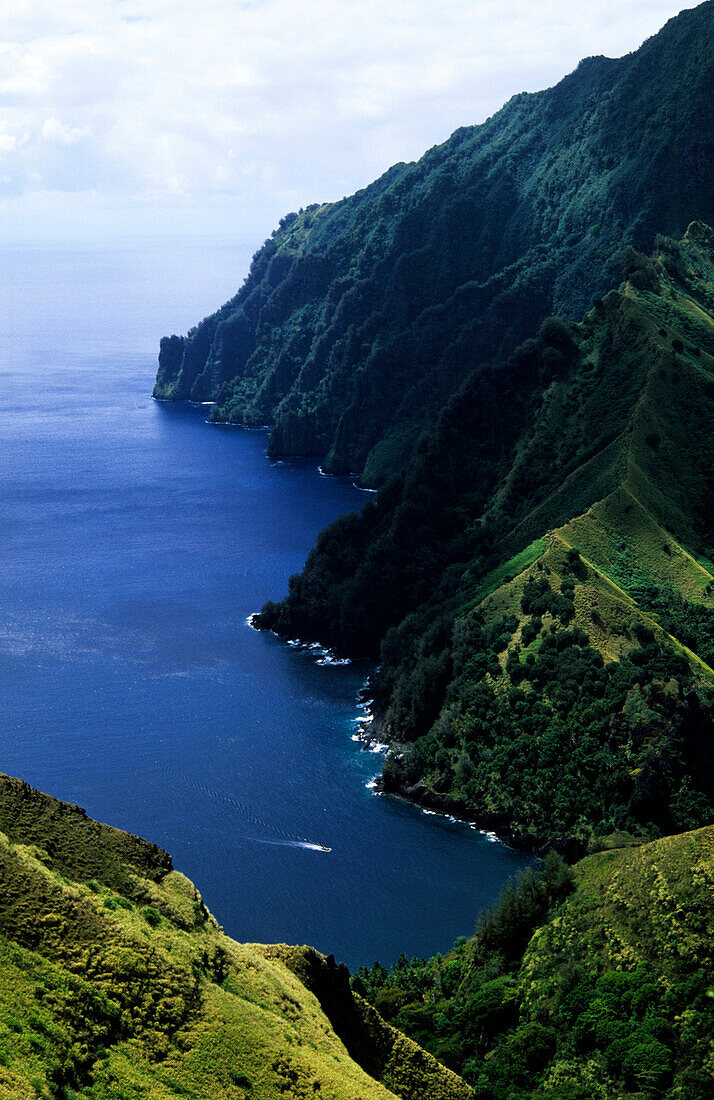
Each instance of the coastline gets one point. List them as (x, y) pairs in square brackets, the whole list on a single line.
[(493, 827), (428, 801), (353, 476), (322, 654), (377, 787)]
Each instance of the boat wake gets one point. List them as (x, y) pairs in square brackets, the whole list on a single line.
[(276, 835), (306, 844)]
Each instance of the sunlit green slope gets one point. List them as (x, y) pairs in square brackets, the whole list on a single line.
[(117, 983)]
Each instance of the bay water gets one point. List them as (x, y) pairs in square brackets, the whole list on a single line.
[(135, 542)]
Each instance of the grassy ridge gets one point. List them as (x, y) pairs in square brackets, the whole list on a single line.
[(116, 982), (537, 583)]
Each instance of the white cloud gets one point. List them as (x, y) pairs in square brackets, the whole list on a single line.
[(54, 130), (266, 103)]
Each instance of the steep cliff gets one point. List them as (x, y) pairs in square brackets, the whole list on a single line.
[(360, 317)]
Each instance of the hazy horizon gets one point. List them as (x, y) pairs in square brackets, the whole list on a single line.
[(121, 296)]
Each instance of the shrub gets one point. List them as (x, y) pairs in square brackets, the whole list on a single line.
[(506, 927), (647, 1063), (527, 1052), (531, 630), (389, 1002), (639, 269), (573, 560)]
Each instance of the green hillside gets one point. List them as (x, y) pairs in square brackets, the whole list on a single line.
[(117, 983), (592, 984), (359, 318), (538, 584)]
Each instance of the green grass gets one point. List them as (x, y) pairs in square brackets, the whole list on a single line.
[(504, 573), (115, 995)]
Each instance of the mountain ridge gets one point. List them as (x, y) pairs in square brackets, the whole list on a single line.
[(359, 318), (544, 577)]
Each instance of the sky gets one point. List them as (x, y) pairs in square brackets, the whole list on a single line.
[(199, 119)]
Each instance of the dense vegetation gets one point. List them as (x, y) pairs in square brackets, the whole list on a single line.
[(592, 984), (537, 585), (580, 983), (116, 982), (359, 318), (535, 576)]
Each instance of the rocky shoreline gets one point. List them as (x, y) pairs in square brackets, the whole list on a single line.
[(493, 825), (371, 736)]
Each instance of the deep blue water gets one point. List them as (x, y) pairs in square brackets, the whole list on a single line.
[(135, 542)]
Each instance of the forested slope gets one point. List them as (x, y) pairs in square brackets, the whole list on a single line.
[(538, 585), (359, 318), (590, 984)]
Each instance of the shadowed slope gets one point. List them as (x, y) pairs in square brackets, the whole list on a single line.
[(359, 318)]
